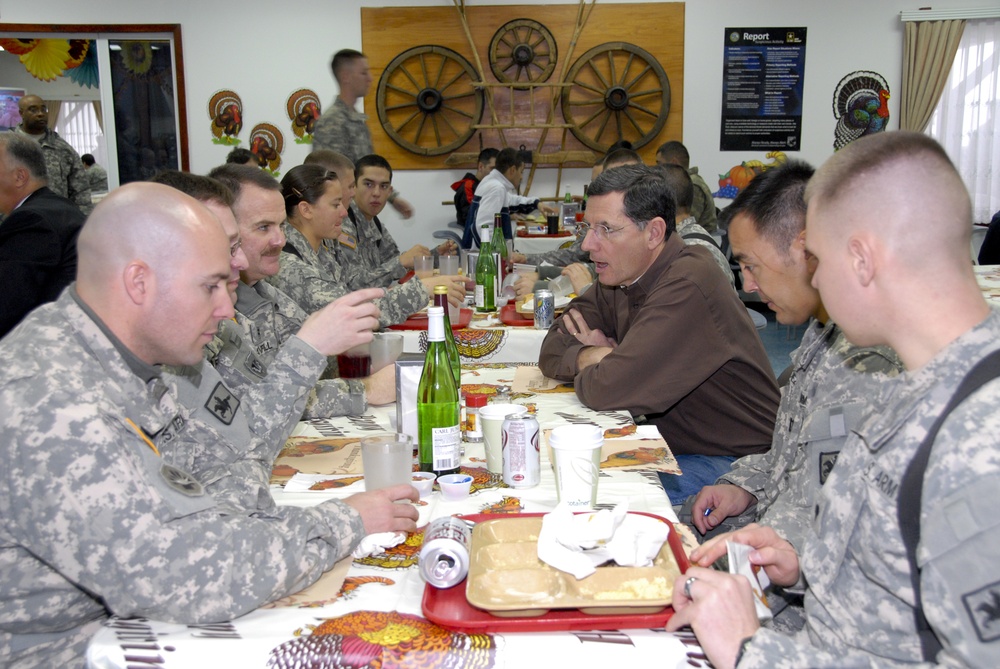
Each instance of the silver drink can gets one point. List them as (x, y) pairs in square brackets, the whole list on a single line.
[(444, 555), (521, 458), (545, 309)]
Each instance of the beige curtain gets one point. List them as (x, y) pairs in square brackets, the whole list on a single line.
[(54, 106), (99, 113), (928, 53)]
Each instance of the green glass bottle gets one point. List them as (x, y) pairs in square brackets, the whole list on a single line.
[(486, 274), (499, 244), (441, 300), (438, 411)]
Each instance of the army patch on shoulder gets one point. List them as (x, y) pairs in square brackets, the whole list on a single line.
[(983, 607), (255, 366), (347, 240), (181, 481), (826, 463), (222, 404)]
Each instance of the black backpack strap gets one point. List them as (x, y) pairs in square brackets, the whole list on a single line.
[(381, 231), (288, 248), (911, 489), (702, 237)]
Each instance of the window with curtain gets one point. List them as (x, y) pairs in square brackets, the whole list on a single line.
[(78, 124), (967, 118)]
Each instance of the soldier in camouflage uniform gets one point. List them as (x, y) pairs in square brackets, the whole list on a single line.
[(267, 319), (310, 274), (831, 382), (703, 203), (67, 176), (255, 425), (918, 282), (93, 521), (374, 252), (342, 128)]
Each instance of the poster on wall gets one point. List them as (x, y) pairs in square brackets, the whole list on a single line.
[(762, 82)]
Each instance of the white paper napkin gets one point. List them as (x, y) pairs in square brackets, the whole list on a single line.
[(378, 542), (577, 544)]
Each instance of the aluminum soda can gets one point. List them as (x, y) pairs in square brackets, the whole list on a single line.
[(521, 461), (545, 309), (444, 555)]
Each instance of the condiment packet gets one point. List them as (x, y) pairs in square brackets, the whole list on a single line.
[(739, 563), (578, 543)]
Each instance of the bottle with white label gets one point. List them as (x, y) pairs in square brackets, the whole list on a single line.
[(438, 410)]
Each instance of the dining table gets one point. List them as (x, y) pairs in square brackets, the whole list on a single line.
[(988, 278), (375, 610), (503, 336)]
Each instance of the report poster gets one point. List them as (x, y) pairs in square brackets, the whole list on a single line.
[(762, 83)]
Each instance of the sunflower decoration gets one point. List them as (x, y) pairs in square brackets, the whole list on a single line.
[(267, 143), (86, 74), (137, 57), (303, 109), (47, 59)]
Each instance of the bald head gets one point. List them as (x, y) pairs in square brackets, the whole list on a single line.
[(144, 221), (153, 264)]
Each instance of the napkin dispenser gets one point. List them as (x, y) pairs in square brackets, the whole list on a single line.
[(409, 367)]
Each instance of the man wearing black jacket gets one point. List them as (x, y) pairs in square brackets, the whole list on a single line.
[(37, 235)]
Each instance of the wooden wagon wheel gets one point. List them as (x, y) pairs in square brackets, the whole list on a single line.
[(522, 50), (427, 102), (619, 91)]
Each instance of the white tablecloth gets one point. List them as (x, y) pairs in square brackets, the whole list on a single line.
[(377, 614), (540, 244)]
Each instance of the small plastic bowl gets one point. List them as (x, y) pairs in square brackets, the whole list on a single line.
[(424, 482), (455, 487)]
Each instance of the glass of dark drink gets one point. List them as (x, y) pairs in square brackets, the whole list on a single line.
[(356, 362)]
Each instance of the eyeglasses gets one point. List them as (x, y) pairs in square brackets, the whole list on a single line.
[(600, 230), (235, 247)]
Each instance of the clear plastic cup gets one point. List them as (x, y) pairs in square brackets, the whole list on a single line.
[(387, 460)]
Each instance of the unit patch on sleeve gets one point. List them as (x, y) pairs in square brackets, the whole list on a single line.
[(983, 607), (222, 404)]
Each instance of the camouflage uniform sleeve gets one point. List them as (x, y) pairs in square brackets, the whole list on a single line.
[(751, 472), (276, 403), (89, 499), (401, 301), (327, 135), (78, 186), (960, 533), (561, 257), (310, 287), (358, 275), (336, 397)]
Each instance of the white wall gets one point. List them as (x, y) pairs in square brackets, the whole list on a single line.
[(264, 53)]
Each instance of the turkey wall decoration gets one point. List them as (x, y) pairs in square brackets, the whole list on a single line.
[(303, 107), (861, 107), (225, 108)]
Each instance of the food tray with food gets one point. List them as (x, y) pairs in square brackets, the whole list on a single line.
[(524, 598)]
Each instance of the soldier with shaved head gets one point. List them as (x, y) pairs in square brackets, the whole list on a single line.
[(900, 563), (94, 518)]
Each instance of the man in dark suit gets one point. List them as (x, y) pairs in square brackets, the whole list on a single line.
[(37, 235)]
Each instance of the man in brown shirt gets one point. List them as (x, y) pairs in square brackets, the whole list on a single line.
[(663, 335)]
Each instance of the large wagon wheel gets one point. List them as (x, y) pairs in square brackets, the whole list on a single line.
[(619, 91), (522, 50), (427, 102)]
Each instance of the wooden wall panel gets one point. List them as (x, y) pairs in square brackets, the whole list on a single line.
[(386, 32)]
